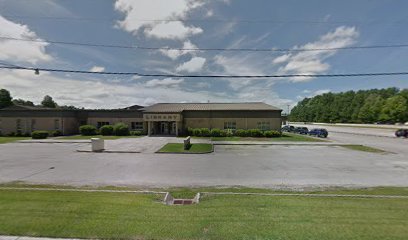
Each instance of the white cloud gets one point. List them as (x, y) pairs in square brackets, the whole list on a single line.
[(174, 54), (167, 82), (158, 10), (172, 30), (311, 62), (196, 64), (20, 51), (97, 69)]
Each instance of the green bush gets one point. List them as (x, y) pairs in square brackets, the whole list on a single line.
[(27, 134), (205, 132), (121, 129), (19, 134), (255, 133), (12, 134), (190, 131), (196, 132), (106, 130), (272, 134), (242, 133), (87, 130), (39, 134), (136, 133), (224, 133), (55, 133), (215, 132)]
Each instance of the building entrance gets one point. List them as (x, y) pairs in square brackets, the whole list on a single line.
[(165, 128)]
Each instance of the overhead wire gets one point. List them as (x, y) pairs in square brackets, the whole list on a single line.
[(205, 76), (206, 49)]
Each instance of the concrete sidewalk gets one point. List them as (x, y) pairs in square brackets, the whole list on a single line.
[(33, 238)]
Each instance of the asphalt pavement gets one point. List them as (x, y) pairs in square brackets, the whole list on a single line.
[(277, 166)]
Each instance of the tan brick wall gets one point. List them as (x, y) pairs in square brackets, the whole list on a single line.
[(113, 121), (242, 123), (65, 125)]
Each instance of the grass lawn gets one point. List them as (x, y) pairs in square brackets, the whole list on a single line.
[(286, 137), (139, 216), (12, 139), (79, 137), (363, 148), (179, 148)]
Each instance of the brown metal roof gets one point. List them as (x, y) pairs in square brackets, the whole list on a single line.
[(179, 107)]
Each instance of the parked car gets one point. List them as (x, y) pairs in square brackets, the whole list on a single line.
[(301, 130), (288, 128), (319, 132), (401, 133)]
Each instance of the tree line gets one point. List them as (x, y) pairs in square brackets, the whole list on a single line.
[(6, 100), (388, 105)]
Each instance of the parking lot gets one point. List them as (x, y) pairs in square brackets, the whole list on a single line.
[(275, 166)]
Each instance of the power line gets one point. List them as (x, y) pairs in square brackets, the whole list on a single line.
[(203, 20), (206, 76), (206, 49)]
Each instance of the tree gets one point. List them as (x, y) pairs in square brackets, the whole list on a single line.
[(371, 109), (48, 102), (22, 102), (394, 109), (5, 98)]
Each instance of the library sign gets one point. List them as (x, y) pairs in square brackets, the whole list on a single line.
[(162, 117)]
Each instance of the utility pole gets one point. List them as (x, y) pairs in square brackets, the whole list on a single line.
[(287, 115)]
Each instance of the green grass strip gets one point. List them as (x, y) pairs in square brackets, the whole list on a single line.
[(363, 148), (140, 216), (179, 148)]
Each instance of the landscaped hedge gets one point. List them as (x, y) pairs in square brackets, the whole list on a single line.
[(106, 130), (55, 133), (205, 132), (121, 129), (87, 130), (137, 133), (39, 134)]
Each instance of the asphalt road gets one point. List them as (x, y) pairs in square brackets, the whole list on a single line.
[(253, 166), (374, 137)]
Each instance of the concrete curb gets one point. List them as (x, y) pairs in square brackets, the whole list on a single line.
[(106, 151)]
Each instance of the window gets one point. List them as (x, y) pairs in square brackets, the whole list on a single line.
[(101, 124), (264, 126), (18, 125), (56, 124), (137, 125), (33, 123), (230, 125)]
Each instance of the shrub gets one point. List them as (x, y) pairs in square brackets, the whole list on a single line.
[(205, 132), (12, 134), (121, 129), (136, 133), (87, 130), (27, 134), (56, 133), (39, 134), (242, 133), (255, 133), (215, 132), (229, 133), (190, 131), (224, 133), (272, 134), (196, 132), (19, 134), (106, 130)]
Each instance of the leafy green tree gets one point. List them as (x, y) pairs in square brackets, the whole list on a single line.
[(394, 109), (5, 98), (371, 109), (48, 102), (22, 102)]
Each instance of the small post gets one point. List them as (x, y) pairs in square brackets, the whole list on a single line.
[(98, 145), (187, 143)]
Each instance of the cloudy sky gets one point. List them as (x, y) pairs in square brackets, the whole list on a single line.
[(206, 24)]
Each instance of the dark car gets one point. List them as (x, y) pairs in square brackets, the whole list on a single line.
[(301, 130), (401, 133), (319, 132), (288, 128)]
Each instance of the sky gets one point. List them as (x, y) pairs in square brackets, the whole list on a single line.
[(223, 24)]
